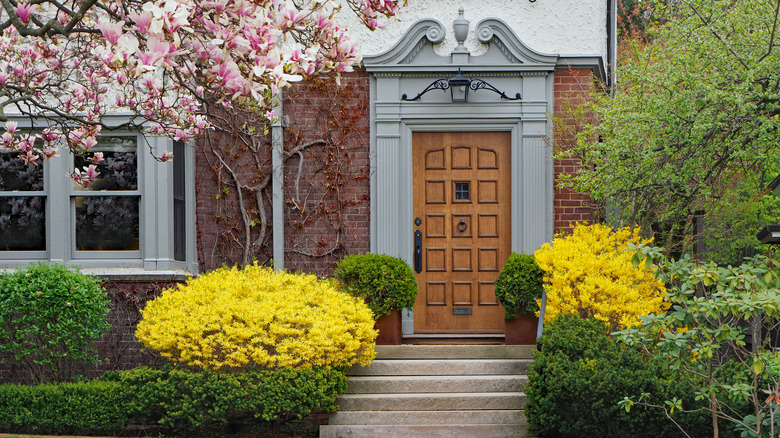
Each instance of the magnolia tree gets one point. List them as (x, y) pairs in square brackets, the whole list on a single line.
[(69, 64)]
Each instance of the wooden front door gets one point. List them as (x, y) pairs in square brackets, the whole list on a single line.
[(462, 229)]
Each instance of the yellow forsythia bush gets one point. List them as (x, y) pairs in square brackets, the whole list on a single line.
[(259, 318), (589, 273)]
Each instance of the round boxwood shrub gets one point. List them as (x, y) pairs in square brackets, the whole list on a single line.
[(382, 281), (258, 317), (519, 285), (580, 374), (49, 318)]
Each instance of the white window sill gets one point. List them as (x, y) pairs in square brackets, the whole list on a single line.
[(134, 274)]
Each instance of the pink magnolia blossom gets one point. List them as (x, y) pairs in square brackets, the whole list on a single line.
[(24, 12), (161, 59), (11, 126), (110, 30)]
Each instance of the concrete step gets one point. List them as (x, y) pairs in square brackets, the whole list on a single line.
[(425, 431), (432, 401), (435, 384), (441, 367), (455, 351), (506, 416)]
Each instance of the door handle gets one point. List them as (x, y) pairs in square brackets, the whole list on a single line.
[(418, 251)]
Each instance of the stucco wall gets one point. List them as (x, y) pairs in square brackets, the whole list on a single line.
[(560, 27)]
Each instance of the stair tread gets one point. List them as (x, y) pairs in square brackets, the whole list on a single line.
[(443, 377), (455, 351), (436, 394), (426, 431)]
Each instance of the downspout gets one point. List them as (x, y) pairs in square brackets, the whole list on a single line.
[(277, 186), (611, 44)]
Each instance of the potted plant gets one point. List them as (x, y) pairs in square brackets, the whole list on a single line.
[(386, 284), (518, 288)]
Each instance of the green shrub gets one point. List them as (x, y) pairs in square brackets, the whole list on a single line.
[(49, 318), (579, 376), (383, 282), (96, 408), (519, 285), (256, 317), (185, 401)]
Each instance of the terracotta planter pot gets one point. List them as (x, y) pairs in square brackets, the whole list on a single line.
[(521, 330), (389, 327)]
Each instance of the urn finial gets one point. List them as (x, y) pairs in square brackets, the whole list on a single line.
[(461, 28)]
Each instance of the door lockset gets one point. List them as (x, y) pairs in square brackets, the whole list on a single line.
[(418, 251)]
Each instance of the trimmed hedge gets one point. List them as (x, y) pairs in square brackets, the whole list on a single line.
[(185, 401), (94, 408), (579, 376), (180, 401)]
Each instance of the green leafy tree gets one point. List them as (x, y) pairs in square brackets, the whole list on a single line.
[(721, 318), (693, 122)]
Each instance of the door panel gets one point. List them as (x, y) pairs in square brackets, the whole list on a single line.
[(462, 186)]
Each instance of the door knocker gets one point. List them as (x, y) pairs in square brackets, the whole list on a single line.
[(462, 225)]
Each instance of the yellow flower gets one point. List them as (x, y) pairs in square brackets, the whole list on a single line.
[(589, 273), (258, 317)]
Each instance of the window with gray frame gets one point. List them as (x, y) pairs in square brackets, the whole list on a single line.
[(134, 215)]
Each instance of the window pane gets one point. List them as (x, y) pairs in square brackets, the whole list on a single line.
[(179, 203), (119, 168), (23, 223), (107, 223), (16, 175), (462, 191)]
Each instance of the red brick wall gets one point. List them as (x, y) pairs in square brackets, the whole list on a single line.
[(571, 89), (326, 185), (327, 197), (220, 227)]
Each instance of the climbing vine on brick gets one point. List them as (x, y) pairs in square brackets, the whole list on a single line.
[(325, 180)]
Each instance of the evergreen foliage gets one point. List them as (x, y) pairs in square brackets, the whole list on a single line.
[(171, 400), (382, 281), (580, 374), (519, 285), (49, 318)]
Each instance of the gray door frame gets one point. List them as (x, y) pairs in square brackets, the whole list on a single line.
[(412, 64)]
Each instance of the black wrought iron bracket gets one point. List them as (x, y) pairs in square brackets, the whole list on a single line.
[(439, 84), (474, 84), (479, 84)]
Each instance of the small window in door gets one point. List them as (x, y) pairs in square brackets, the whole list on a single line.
[(462, 192)]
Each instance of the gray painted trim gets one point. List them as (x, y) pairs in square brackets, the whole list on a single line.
[(595, 62), (422, 32), (510, 66), (490, 28), (277, 187), (372, 147), (190, 200)]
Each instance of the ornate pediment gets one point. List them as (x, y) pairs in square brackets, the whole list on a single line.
[(415, 50)]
